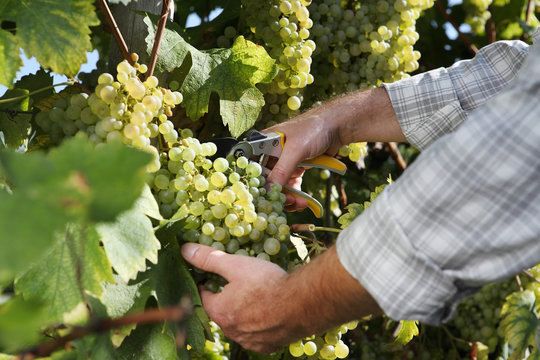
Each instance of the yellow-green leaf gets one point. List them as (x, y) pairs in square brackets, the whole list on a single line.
[(519, 322), (408, 329), (57, 33), (10, 61)]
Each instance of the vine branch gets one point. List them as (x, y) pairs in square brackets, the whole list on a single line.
[(396, 155), (529, 274), (472, 48), (115, 30), (159, 34), (174, 313)]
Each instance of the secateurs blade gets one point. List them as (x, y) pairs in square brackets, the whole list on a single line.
[(259, 147)]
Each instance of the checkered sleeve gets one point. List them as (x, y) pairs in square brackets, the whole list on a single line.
[(464, 214), (435, 103)]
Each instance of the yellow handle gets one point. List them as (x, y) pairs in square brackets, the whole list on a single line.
[(326, 162), (315, 206)]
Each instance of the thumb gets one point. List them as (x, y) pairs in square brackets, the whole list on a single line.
[(285, 166), (207, 258)]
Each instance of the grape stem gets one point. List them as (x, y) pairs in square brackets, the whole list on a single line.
[(174, 313), (17, 98), (78, 84), (115, 30), (157, 39)]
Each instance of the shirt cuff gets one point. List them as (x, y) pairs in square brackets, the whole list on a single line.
[(426, 105), (406, 284)]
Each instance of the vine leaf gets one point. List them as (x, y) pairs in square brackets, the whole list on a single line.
[(129, 242), (353, 210), (67, 185), (408, 329), (76, 264), (519, 322), (109, 171), (10, 62), (149, 342), (20, 322), (230, 73), (14, 125), (57, 33), (171, 281)]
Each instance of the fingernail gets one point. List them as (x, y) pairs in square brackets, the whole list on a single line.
[(188, 250)]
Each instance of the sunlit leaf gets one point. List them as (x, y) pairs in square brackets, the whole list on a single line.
[(408, 329), (10, 61), (519, 322), (57, 33)]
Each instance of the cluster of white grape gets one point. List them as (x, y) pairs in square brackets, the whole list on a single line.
[(478, 316), (328, 346), (282, 26), (217, 349), (361, 44), (127, 108), (354, 151), (477, 14), (226, 204)]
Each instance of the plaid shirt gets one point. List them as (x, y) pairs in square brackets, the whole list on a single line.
[(467, 211)]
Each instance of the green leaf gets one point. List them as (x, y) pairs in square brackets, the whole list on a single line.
[(353, 210), (408, 329), (7, 357), (230, 73), (147, 204), (129, 242), (77, 264), (14, 125), (120, 298), (114, 173), (149, 342), (171, 281), (57, 33), (519, 322), (535, 355), (10, 61), (75, 182), (20, 322), (32, 82)]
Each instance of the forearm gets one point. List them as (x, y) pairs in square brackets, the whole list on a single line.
[(366, 116), (323, 294)]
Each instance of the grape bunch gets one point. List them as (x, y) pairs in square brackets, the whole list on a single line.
[(282, 26), (127, 109), (478, 316), (225, 203), (477, 14), (354, 151), (360, 44), (328, 346)]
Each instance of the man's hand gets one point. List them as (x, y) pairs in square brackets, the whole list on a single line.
[(263, 308), (359, 116), (249, 309)]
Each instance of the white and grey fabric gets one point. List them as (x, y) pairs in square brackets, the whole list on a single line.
[(467, 211)]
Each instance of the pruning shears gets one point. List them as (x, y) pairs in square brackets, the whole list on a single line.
[(259, 147)]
